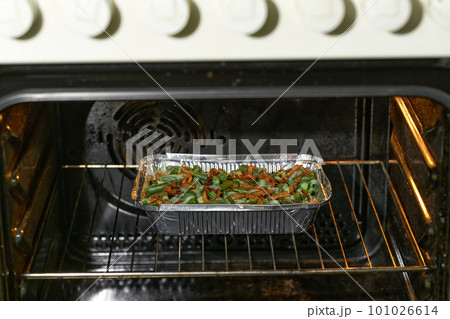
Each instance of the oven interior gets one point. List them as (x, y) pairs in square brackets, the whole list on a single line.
[(69, 222)]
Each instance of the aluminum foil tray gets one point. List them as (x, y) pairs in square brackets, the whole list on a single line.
[(212, 219)]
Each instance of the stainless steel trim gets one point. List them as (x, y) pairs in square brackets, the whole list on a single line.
[(354, 213), (113, 238), (75, 209), (376, 213), (338, 236), (249, 253), (272, 252), (278, 272), (318, 247), (408, 228), (296, 252), (105, 94), (226, 251)]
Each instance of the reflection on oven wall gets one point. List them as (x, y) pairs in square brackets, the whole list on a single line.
[(375, 220)]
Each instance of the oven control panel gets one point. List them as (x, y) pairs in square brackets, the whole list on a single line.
[(83, 31)]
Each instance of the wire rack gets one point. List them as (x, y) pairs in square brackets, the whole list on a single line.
[(143, 254)]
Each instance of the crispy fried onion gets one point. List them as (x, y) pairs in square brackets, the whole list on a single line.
[(160, 174), (292, 189), (261, 190), (250, 169), (258, 195), (311, 200), (170, 191), (186, 179), (248, 186), (280, 195), (247, 178), (214, 172), (241, 195), (185, 171), (306, 194), (205, 194), (296, 168), (154, 199), (269, 179)]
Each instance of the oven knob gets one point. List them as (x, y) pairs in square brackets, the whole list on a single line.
[(440, 11), (168, 17), (244, 16), (89, 17), (17, 17), (322, 15), (388, 15)]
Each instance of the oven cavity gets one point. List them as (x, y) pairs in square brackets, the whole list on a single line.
[(384, 156)]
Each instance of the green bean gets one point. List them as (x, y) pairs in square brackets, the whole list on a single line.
[(217, 201), (170, 178), (285, 200), (243, 168), (245, 190), (197, 169), (307, 178), (190, 192), (263, 183), (271, 202), (172, 169), (222, 176), (175, 199), (283, 188), (154, 189), (228, 192), (225, 185), (201, 176), (189, 200), (215, 180), (258, 171), (165, 197), (228, 200), (211, 195)]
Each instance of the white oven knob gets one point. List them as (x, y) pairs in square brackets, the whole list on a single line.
[(388, 15), (322, 15), (440, 12), (244, 16), (89, 17), (168, 17), (17, 17)]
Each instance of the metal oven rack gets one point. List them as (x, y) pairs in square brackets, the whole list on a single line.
[(142, 255)]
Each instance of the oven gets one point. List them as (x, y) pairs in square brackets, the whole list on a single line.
[(378, 118)]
